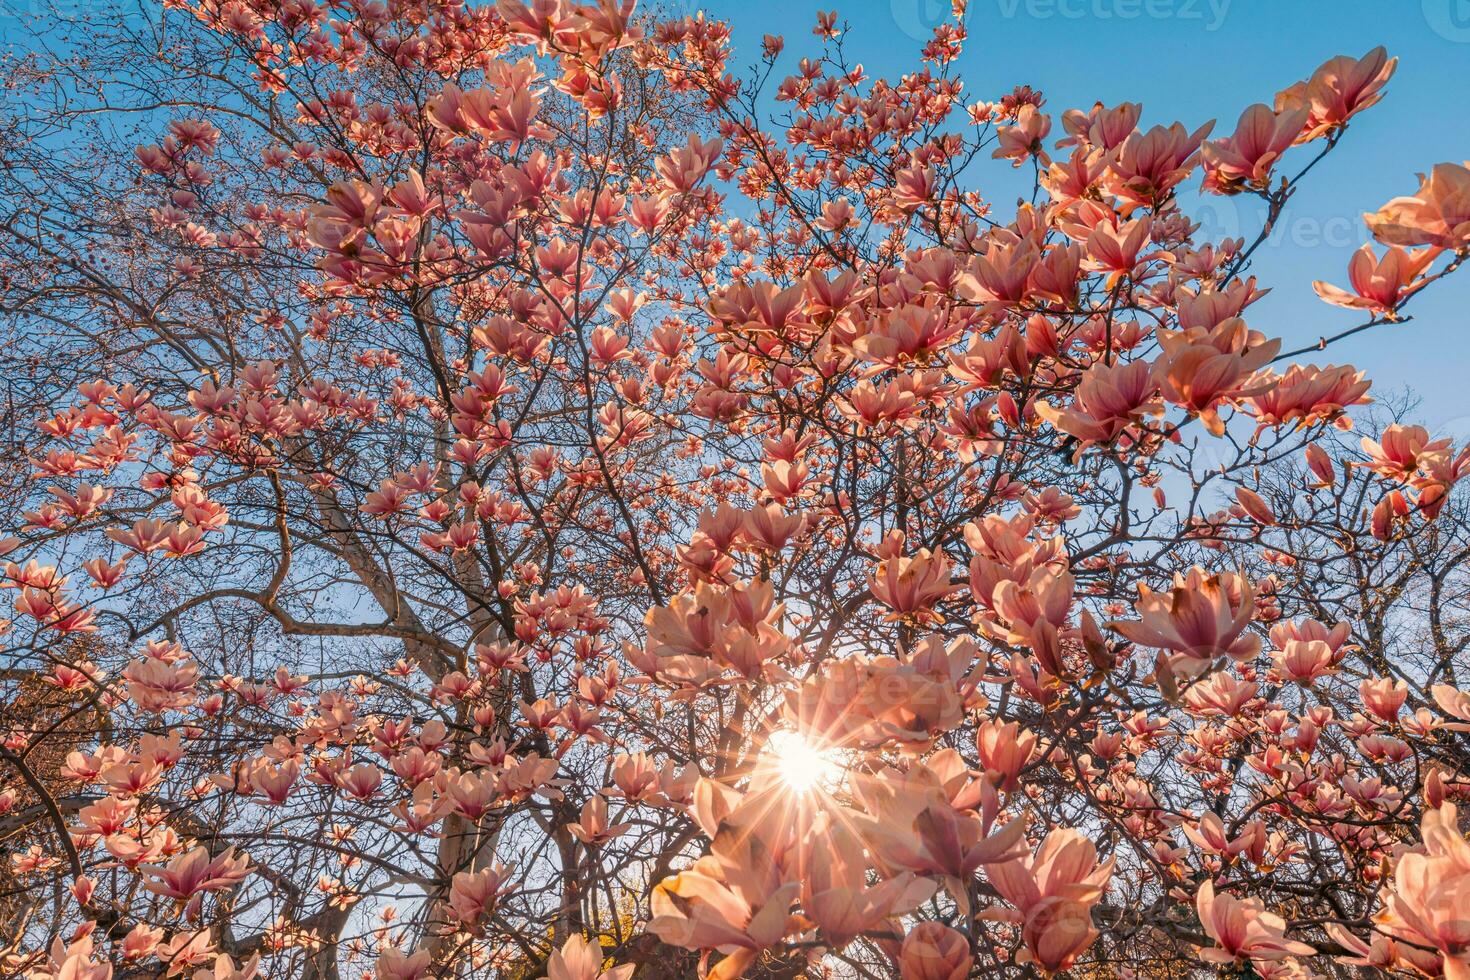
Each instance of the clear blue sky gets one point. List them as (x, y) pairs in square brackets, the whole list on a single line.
[(1195, 60)]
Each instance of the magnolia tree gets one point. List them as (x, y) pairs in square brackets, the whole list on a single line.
[(510, 492)]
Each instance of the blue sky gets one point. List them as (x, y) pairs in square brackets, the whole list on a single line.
[(1194, 60)]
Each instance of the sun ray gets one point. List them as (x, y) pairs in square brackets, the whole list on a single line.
[(800, 765)]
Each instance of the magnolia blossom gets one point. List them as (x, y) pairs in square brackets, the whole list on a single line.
[(579, 959), (394, 964), (1438, 214), (1260, 137), (196, 871), (738, 898), (911, 824), (548, 458), (837, 896), (912, 585), (474, 894), (1054, 891), (1339, 89), (934, 951), (1379, 284), (1425, 908), (1243, 930), (1201, 618)]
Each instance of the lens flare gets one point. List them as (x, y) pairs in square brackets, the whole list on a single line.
[(799, 764)]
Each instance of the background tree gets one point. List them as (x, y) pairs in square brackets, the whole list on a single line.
[(522, 500)]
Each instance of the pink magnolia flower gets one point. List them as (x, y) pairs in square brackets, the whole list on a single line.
[(224, 968), (737, 899), (1304, 661), (192, 947), (73, 961), (1339, 89), (1202, 369), (275, 782), (1379, 284), (1201, 618), (1004, 750), (1055, 890), (934, 951), (682, 169), (1109, 399), (1056, 932), (1383, 696), (863, 702), (1211, 837), (1453, 702), (1380, 952), (579, 959), (911, 824), (1402, 450), (1024, 138), (914, 187), (140, 942), (1243, 930), (1034, 611), (836, 895), (157, 685), (394, 964), (361, 781), (1064, 866), (474, 894), (1426, 906), (593, 827), (1150, 165), (190, 874), (910, 586), (1247, 156), (1437, 214)]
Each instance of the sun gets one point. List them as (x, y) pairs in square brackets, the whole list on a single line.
[(799, 764)]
